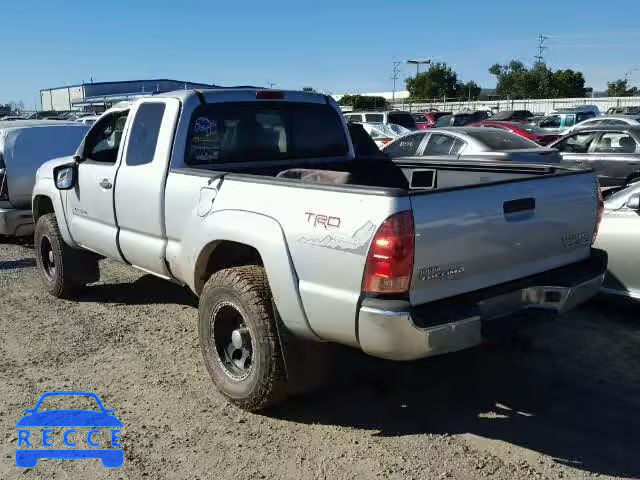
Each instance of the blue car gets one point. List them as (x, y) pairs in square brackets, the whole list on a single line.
[(68, 418)]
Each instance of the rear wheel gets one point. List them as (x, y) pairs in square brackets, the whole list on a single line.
[(62, 269), (239, 340)]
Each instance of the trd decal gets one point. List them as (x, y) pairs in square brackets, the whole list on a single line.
[(438, 272), (354, 243), (325, 221), (575, 240)]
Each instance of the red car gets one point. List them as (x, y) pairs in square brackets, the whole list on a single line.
[(530, 132), (426, 120)]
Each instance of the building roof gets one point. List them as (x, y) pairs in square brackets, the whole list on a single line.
[(196, 84)]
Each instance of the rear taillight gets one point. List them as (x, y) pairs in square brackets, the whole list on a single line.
[(599, 212), (4, 191), (390, 261)]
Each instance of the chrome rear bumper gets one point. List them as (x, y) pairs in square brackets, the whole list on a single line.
[(459, 323)]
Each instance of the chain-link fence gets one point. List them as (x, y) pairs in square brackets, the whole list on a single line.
[(541, 106)]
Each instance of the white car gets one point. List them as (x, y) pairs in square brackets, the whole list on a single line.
[(606, 121), (384, 133)]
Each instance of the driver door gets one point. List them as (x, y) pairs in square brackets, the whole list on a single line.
[(90, 207), (576, 148)]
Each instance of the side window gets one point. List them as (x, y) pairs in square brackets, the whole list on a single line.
[(578, 143), (552, 121), (569, 120), (440, 144), (458, 146), (616, 142), (144, 134), (355, 118), (584, 116), (374, 117), (443, 121), (405, 146), (104, 140)]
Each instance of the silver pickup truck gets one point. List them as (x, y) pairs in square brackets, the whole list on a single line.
[(255, 200)]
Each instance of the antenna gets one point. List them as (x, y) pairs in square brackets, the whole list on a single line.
[(541, 48), (394, 76)]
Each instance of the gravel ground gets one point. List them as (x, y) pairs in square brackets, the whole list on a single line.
[(559, 401)]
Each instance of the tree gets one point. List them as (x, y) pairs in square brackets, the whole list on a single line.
[(470, 90), (567, 83), (620, 88), (363, 102), (515, 80), (308, 89), (439, 80)]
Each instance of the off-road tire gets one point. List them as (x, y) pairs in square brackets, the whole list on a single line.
[(73, 268), (246, 289)]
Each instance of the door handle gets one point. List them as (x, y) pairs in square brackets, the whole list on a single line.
[(106, 184)]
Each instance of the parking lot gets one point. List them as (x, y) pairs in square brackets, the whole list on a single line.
[(559, 401)]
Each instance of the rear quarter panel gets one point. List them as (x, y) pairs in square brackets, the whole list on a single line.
[(327, 234)]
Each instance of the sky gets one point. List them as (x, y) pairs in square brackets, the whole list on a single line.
[(334, 46)]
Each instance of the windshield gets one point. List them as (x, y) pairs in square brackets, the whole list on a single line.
[(500, 140), (252, 131), (402, 118), (383, 130), (398, 129)]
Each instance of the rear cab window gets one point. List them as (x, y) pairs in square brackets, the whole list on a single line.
[(374, 117), (238, 132)]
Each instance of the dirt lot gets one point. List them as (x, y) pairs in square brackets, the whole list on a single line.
[(560, 401)]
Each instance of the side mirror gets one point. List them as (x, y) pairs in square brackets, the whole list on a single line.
[(633, 202), (65, 176)]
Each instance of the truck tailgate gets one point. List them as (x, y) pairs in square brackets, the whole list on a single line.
[(476, 237)]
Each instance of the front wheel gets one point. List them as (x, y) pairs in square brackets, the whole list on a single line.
[(239, 339), (62, 269)]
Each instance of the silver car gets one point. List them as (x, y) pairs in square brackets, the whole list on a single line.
[(606, 121), (619, 235), (470, 142)]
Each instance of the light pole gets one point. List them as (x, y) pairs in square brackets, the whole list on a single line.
[(419, 61)]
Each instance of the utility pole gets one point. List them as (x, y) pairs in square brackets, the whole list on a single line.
[(394, 76), (541, 48)]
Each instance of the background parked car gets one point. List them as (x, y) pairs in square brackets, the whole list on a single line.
[(606, 121), (392, 116), (560, 121), (460, 119), (530, 132), (473, 142), (512, 115), (24, 146), (613, 152), (384, 133), (427, 119), (619, 235), (633, 110)]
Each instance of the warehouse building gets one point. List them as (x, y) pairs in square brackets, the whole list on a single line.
[(97, 96)]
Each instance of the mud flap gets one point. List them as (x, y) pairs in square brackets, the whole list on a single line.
[(307, 363)]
